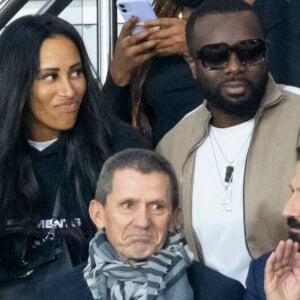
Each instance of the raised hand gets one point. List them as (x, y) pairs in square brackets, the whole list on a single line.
[(282, 272), (171, 35), (131, 51)]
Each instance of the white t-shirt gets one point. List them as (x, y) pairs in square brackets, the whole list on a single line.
[(40, 146), (220, 229)]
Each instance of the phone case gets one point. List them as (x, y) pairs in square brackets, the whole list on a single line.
[(141, 9)]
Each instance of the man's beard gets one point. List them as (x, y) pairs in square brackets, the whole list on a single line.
[(245, 108), (293, 223)]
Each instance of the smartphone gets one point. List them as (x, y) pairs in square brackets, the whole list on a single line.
[(141, 9)]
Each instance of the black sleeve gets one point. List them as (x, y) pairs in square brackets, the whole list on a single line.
[(118, 97), (67, 286), (125, 136), (209, 284), (294, 44), (250, 293), (273, 16), (255, 279)]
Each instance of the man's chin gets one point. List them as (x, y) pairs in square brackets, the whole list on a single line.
[(142, 253), (139, 253), (239, 105)]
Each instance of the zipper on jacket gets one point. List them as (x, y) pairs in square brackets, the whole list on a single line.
[(257, 118), (195, 147)]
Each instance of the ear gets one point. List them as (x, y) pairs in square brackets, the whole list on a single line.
[(176, 220), (191, 62), (192, 65), (97, 213)]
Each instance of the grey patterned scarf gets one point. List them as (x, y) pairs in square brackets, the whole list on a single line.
[(110, 278)]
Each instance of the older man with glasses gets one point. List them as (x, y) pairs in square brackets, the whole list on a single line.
[(234, 153)]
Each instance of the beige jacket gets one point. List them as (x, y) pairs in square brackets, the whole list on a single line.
[(269, 168)]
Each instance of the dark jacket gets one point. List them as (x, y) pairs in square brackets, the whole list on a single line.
[(59, 256), (281, 25), (255, 279), (273, 16), (293, 76), (49, 166), (206, 283), (168, 93)]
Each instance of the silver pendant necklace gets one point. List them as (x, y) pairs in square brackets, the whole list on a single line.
[(229, 168), (227, 179)]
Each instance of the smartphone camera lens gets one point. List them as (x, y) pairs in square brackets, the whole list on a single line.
[(121, 5), (124, 10)]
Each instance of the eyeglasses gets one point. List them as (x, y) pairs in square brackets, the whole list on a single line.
[(216, 56)]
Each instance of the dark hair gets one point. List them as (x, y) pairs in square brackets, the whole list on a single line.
[(298, 153), (166, 8), (209, 7), (86, 144), (188, 3), (139, 115), (144, 161)]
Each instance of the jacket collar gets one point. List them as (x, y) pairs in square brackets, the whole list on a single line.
[(272, 96), (199, 119)]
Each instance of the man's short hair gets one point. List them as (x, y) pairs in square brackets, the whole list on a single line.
[(209, 7), (143, 161)]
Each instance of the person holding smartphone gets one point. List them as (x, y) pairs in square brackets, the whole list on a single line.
[(148, 76), (149, 82)]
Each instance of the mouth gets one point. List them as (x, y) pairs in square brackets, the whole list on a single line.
[(68, 106), (140, 238), (234, 87)]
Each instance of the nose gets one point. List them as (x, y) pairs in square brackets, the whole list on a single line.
[(233, 65), (142, 218), (292, 207), (65, 88)]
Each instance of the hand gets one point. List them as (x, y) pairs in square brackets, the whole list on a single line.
[(171, 35), (131, 51), (282, 272)]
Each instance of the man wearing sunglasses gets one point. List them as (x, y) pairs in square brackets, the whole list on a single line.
[(234, 153)]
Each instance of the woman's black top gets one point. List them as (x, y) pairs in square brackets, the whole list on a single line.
[(168, 94), (49, 167)]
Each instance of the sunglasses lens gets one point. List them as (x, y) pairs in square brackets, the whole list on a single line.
[(214, 56), (251, 52)]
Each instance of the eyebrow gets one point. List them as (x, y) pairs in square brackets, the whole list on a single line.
[(79, 64), (155, 201)]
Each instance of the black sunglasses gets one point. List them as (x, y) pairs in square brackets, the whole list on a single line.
[(216, 56)]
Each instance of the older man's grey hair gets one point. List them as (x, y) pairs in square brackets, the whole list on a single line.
[(143, 161)]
